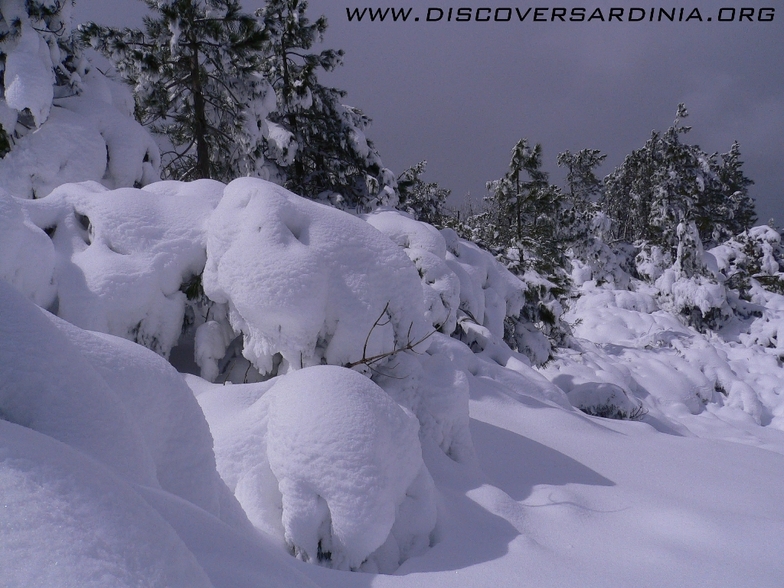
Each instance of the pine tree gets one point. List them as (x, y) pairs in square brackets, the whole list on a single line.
[(584, 189), (331, 157), (738, 213), (584, 227), (195, 71), (425, 200), (581, 178), (526, 213), (668, 182), (522, 225)]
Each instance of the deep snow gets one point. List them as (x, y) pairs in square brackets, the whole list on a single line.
[(436, 460)]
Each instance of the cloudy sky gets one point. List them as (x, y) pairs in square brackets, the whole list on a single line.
[(460, 94)]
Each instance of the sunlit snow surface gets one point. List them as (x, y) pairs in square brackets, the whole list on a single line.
[(452, 466)]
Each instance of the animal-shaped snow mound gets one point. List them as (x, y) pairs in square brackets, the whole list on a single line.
[(308, 282), (349, 467)]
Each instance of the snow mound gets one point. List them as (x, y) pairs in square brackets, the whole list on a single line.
[(114, 401), (48, 386), (348, 463), (67, 521), (106, 468), (121, 255), (28, 257), (308, 282), (171, 422), (325, 461)]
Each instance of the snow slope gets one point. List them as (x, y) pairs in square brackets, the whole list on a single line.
[(443, 458)]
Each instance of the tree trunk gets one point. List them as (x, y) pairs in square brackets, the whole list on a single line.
[(200, 123)]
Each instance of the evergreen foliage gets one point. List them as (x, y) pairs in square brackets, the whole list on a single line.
[(668, 182), (332, 158), (233, 94), (195, 72), (526, 225), (526, 215), (426, 201)]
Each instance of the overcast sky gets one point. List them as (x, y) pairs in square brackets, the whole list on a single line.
[(460, 94)]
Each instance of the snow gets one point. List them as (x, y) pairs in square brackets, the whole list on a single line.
[(28, 258), (347, 457), (84, 132), (28, 75), (426, 247), (323, 460), (121, 256), (67, 521), (326, 287), (452, 462)]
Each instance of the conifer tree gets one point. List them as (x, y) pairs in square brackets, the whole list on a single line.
[(331, 157), (737, 210), (668, 182), (425, 200), (584, 189), (526, 214), (195, 72), (523, 226)]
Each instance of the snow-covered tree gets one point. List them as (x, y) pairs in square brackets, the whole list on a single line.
[(733, 207), (527, 216), (523, 225), (585, 228), (324, 152), (668, 182), (425, 200), (37, 60), (581, 178), (196, 74), (84, 127)]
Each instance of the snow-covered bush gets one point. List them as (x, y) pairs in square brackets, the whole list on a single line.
[(754, 254), (594, 384), (326, 461), (121, 256), (426, 248), (307, 282), (350, 471), (62, 119), (690, 288)]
